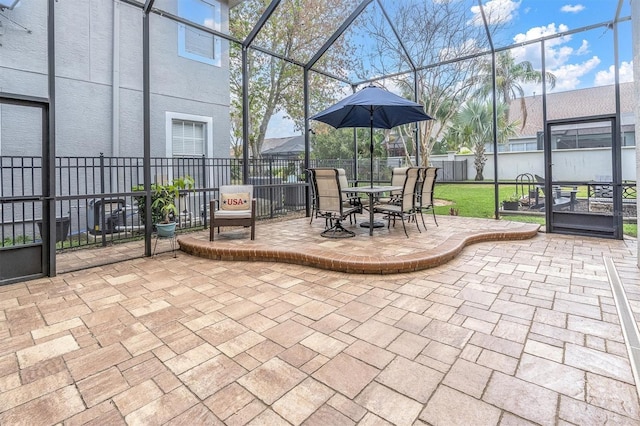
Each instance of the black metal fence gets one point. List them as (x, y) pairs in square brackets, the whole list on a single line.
[(97, 197)]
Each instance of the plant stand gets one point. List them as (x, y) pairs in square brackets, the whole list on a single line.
[(166, 231)]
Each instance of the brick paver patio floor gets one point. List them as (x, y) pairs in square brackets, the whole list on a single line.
[(517, 332)]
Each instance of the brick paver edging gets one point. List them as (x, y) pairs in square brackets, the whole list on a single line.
[(334, 261)]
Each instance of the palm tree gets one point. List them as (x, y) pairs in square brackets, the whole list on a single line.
[(509, 76), (472, 127)]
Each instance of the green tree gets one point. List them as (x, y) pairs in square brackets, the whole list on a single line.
[(472, 127), (329, 143), (434, 33), (295, 30), (509, 77)]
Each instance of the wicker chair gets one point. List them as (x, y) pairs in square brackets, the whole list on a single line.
[(236, 207)]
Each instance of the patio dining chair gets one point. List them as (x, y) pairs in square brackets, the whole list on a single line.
[(404, 207), (398, 175), (332, 203), (314, 194), (424, 192), (350, 199), (236, 207)]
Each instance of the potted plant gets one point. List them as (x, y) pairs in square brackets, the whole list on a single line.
[(163, 203), (511, 203)]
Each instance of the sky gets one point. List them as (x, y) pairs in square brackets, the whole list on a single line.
[(581, 60)]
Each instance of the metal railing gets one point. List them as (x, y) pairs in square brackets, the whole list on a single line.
[(97, 198)]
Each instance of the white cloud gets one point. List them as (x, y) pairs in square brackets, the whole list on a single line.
[(571, 8), (560, 57), (568, 76), (496, 11), (607, 77), (557, 54)]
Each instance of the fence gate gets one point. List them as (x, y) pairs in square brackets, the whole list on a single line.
[(24, 185)]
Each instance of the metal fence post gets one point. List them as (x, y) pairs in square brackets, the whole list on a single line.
[(204, 193), (101, 209)]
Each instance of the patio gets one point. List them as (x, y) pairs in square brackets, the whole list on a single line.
[(504, 333)]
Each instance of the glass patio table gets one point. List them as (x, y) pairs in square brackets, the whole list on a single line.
[(372, 191)]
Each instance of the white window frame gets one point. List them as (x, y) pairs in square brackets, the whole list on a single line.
[(208, 131), (215, 25)]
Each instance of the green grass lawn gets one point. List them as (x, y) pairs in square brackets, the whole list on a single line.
[(476, 200)]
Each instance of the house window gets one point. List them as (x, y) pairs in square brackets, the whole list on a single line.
[(188, 135), (188, 138), (196, 44)]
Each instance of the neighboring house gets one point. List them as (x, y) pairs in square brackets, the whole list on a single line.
[(99, 84), (593, 101), (289, 148)]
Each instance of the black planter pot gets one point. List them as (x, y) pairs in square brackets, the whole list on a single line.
[(510, 205)]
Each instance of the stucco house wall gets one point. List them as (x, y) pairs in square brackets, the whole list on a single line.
[(87, 73)]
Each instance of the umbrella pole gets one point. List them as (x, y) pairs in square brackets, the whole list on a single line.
[(371, 146)]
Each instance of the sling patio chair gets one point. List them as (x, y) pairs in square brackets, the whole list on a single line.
[(332, 203), (398, 175), (314, 195), (404, 207), (351, 199), (236, 207), (426, 184)]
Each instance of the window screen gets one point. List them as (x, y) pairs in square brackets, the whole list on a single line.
[(196, 44), (187, 138)]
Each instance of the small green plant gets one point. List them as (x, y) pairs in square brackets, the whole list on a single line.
[(512, 198), (163, 199), (18, 240)]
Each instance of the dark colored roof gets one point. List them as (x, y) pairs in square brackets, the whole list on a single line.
[(593, 101), (283, 146)]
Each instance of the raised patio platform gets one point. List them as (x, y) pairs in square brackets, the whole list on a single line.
[(388, 251)]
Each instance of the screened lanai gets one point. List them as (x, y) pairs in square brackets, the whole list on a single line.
[(121, 95)]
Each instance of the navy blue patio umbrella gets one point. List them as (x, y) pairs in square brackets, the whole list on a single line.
[(372, 107)]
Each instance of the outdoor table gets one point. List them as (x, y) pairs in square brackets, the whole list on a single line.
[(371, 191)]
